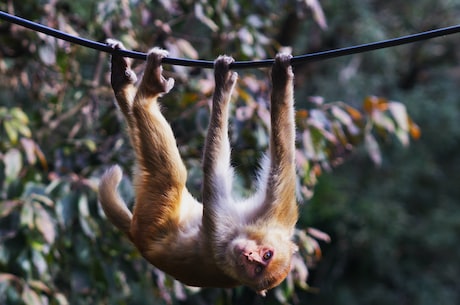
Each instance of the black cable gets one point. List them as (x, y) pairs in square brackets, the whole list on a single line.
[(296, 60)]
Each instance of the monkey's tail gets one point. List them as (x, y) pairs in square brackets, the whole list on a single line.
[(113, 205)]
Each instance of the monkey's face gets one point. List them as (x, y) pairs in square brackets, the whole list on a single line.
[(261, 266)]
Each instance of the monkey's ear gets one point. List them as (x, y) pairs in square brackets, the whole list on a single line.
[(262, 293)]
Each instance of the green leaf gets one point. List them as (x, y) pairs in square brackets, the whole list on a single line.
[(66, 208), (85, 217), (27, 216), (21, 128), (11, 132), (19, 115)]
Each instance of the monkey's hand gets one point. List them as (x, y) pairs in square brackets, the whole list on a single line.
[(224, 78), (121, 67), (153, 81), (281, 71)]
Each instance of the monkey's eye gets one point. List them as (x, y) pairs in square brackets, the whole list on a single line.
[(267, 255)]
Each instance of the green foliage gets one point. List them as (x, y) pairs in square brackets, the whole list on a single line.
[(394, 226)]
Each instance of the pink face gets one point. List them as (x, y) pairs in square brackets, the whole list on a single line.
[(252, 258)]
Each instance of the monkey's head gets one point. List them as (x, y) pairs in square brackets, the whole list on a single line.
[(262, 262)]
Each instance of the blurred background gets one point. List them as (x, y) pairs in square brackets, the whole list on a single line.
[(378, 139)]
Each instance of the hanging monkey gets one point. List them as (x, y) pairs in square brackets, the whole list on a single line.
[(221, 242)]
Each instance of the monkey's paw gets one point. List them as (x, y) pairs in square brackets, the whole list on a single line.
[(282, 69), (222, 74), (153, 72), (283, 59), (121, 66)]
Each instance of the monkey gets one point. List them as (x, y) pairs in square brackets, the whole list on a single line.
[(223, 241)]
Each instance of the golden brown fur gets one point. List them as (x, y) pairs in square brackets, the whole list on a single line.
[(222, 242)]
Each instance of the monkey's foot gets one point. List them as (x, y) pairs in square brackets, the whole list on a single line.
[(153, 80), (281, 70), (224, 78), (121, 67), (282, 61)]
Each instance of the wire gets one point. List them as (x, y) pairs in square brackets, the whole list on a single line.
[(296, 60)]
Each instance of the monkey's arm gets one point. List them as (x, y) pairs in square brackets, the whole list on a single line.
[(281, 186), (217, 172), (122, 79)]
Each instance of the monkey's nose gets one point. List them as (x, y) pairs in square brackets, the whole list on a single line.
[(254, 256)]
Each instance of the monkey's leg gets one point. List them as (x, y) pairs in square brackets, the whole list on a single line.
[(282, 175), (216, 164), (161, 174), (123, 79)]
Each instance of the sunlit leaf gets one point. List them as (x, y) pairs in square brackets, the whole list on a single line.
[(44, 223), (414, 130), (83, 205), (300, 271), (319, 117), (29, 148), (47, 53), (324, 133), (13, 164), (30, 297), (39, 285), (200, 15), (373, 148), (382, 120), (354, 113), (372, 103), (32, 190), (90, 144), (19, 115), (302, 114), (11, 132), (84, 216), (341, 115), (339, 133), (21, 128), (186, 48), (345, 119), (60, 298), (41, 157), (403, 136), (7, 207), (319, 234), (316, 169), (318, 13), (43, 199), (39, 263), (399, 113), (308, 146)]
